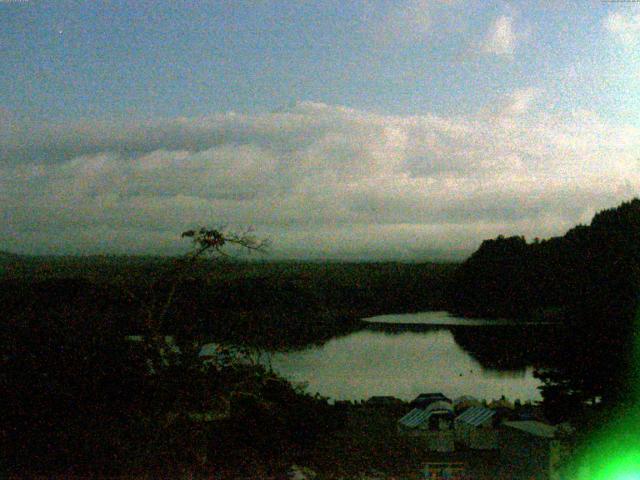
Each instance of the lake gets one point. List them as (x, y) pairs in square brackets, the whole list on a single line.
[(404, 355)]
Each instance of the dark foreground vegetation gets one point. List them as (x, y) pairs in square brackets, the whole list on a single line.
[(270, 305), (84, 397), (81, 396)]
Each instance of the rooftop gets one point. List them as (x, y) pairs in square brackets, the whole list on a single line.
[(475, 416), (532, 427), (414, 418)]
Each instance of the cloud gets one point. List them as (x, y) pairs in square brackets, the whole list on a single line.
[(624, 27), (520, 101), (515, 103), (320, 180), (413, 20), (501, 38)]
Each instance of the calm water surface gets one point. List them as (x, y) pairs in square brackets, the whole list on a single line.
[(403, 363), (442, 318)]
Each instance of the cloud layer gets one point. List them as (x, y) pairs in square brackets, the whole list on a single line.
[(624, 27), (320, 180), (501, 38)]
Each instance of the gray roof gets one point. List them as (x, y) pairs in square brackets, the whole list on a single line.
[(383, 399), (475, 416), (532, 427), (439, 406), (430, 396), (424, 399), (415, 418), (418, 416)]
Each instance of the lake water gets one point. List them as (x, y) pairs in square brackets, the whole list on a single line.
[(442, 318), (404, 363)]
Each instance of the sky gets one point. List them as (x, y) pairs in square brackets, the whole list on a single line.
[(365, 130)]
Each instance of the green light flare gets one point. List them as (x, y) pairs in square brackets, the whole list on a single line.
[(614, 452), (617, 463)]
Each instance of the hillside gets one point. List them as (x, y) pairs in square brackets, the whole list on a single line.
[(591, 268), (588, 279)]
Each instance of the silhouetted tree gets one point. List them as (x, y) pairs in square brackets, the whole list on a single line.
[(590, 278)]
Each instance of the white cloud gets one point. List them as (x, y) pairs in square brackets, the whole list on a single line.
[(321, 180), (521, 100), (624, 27), (501, 37), (516, 103)]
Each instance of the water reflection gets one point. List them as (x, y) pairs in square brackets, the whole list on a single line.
[(402, 364), (439, 317)]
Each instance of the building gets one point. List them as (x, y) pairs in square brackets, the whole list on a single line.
[(530, 412), (474, 429), (466, 401), (425, 399), (502, 402), (434, 424), (527, 449), (383, 401)]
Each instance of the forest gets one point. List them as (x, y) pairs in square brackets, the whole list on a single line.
[(588, 280), (591, 269), (81, 397)]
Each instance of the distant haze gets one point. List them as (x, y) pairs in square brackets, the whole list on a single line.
[(355, 132)]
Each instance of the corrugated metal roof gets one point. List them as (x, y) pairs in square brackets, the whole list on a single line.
[(415, 418), (532, 427), (475, 416)]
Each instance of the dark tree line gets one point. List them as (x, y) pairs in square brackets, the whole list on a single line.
[(591, 269), (80, 396), (589, 279)]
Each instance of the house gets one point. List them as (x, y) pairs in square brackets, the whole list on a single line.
[(530, 412), (474, 428), (425, 399), (466, 401), (527, 449), (434, 425), (383, 401), (502, 402)]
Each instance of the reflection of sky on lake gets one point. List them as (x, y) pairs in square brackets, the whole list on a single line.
[(369, 363), (442, 317)]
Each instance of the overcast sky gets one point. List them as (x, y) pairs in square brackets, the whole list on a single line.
[(405, 130)]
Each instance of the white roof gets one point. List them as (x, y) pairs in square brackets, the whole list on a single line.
[(418, 416), (475, 416), (414, 418)]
